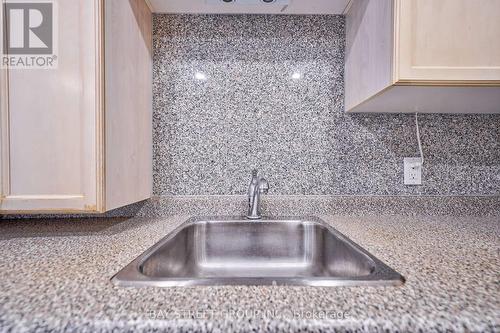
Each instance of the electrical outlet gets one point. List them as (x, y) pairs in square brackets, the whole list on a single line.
[(413, 170)]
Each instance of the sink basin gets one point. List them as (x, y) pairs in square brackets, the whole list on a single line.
[(236, 251)]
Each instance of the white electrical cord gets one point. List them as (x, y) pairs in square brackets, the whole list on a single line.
[(418, 139)]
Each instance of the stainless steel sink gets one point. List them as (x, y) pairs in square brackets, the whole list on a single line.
[(236, 251)]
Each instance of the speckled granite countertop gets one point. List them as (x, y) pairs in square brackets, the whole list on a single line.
[(55, 277)]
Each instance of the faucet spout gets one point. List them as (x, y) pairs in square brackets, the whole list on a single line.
[(258, 185)]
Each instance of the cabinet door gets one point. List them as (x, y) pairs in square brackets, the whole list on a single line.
[(51, 123), (129, 142), (448, 40)]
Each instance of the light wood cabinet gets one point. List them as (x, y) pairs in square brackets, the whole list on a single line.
[(423, 56), (79, 138)]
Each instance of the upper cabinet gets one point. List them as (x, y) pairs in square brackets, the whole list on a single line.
[(423, 56), (286, 7), (78, 137)]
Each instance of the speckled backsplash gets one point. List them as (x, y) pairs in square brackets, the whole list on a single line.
[(233, 93)]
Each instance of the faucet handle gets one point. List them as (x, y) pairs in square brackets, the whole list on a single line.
[(263, 186), (255, 172)]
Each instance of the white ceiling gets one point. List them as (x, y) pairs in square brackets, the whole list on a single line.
[(295, 7)]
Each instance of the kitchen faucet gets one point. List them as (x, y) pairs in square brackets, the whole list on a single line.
[(258, 185)]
